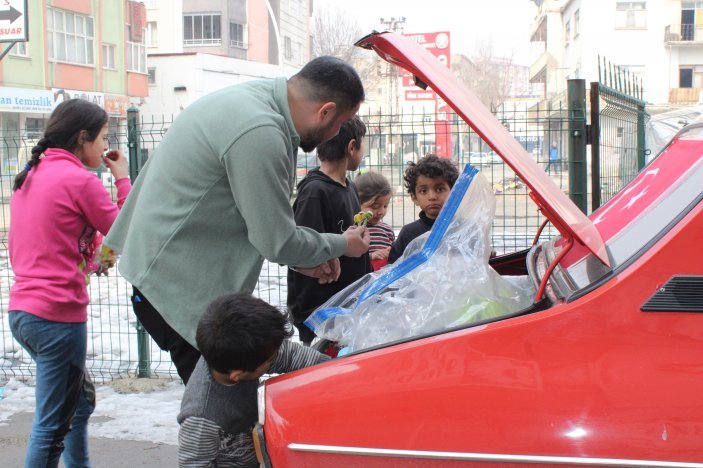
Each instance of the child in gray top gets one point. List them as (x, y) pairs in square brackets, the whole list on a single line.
[(240, 338)]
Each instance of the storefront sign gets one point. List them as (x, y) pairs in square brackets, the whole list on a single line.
[(60, 95), (116, 104), (39, 101)]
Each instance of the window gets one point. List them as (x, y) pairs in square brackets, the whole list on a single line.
[(136, 54), (236, 35), (19, 49), (202, 30), (577, 23), (685, 77), (287, 48), (150, 38), (151, 75), (630, 15), (70, 37), (567, 32), (108, 56)]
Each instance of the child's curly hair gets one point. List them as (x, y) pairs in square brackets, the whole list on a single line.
[(430, 166)]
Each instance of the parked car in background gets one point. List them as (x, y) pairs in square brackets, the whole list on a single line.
[(480, 158), (603, 369)]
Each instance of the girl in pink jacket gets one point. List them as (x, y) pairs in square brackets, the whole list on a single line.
[(57, 210)]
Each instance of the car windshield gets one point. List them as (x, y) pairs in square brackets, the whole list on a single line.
[(643, 211)]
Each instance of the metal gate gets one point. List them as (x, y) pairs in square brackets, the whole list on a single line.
[(617, 136)]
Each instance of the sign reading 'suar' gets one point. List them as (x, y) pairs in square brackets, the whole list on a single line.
[(13, 21)]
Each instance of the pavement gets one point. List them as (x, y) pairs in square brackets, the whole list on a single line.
[(107, 453)]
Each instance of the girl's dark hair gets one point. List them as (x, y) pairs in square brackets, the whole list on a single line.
[(240, 332), (63, 129), (430, 166), (372, 185), (335, 148)]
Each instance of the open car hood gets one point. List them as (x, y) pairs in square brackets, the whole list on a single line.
[(554, 204)]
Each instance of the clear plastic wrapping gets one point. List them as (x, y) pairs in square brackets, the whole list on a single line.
[(443, 280)]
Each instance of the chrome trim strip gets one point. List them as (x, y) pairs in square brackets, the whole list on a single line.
[(486, 457)]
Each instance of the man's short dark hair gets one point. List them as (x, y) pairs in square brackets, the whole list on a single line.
[(329, 79), (430, 166), (240, 332), (334, 149)]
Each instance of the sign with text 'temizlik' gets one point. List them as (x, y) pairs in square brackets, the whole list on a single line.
[(13, 21)]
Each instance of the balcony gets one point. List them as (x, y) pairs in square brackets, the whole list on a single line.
[(544, 61), (683, 35), (684, 95)]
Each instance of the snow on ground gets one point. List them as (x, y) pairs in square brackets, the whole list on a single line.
[(127, 408), (147, 416)]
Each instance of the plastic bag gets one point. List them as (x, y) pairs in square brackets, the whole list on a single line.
[(443, 280)]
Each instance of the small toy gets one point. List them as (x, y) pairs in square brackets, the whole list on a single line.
[(362, 218)]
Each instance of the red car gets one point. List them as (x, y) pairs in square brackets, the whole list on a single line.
[(605, 369)]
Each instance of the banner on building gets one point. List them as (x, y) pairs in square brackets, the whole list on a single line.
[(116, 105), (39, 101), (60, 95)]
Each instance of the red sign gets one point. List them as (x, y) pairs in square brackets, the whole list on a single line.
[(437, 43)]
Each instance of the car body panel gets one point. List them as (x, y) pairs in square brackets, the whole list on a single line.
[(593, 378), (561, 211), (591, 381)]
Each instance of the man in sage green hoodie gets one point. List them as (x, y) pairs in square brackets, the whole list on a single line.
[(213, 200)]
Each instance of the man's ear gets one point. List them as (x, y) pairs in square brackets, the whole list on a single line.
[(327, 111)]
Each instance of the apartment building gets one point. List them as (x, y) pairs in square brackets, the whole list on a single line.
[(198, 46), (76, 48), (659, 42)]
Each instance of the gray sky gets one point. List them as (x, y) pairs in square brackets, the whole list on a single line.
[(505, 23)]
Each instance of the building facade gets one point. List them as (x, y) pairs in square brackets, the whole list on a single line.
[(659, 42), (198, 46), (76, 48)]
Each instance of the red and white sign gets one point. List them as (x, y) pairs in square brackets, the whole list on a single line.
[(13, 21), (419, 95), (438, 44)]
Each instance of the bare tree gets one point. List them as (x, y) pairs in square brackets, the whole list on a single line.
[(334, 32), (490, 77)]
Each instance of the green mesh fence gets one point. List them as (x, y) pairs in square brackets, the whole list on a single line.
[(392, 141)]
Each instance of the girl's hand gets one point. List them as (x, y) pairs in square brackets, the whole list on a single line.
[(117, 164), (380, 254)]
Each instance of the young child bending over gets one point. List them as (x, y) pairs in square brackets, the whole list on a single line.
[(374, 196), (428, 182), (241, 338)]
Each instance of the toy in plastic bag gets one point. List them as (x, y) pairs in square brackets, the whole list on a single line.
[(98, 258), (442, 280)]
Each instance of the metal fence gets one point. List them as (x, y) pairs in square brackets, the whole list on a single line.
[(392, 141)]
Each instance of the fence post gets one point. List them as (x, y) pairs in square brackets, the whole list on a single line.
[(143, 355), (578, 171), (641, 150), (594, 141)]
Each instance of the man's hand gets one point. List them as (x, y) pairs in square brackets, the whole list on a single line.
[(327, 272), (358, 240)]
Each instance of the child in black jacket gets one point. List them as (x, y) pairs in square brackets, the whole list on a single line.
[(327, 202), (428, 182)]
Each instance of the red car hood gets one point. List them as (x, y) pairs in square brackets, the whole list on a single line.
[(554, 204)]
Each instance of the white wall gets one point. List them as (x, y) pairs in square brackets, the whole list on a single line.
[(201, 74)]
